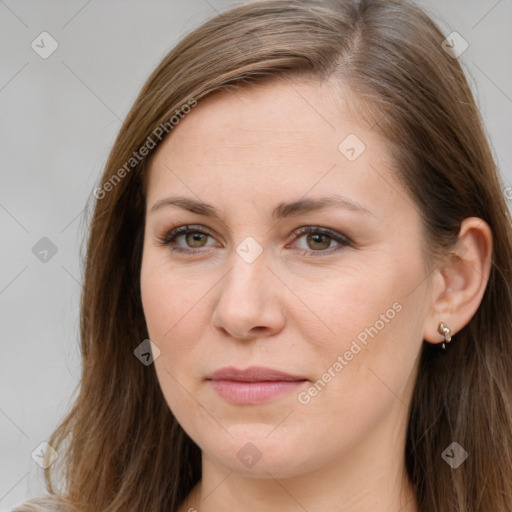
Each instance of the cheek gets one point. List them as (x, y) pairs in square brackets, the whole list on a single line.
[(174, 307), (168, 299), (346, 303), (360, 384), (369, 340), (168, 307)]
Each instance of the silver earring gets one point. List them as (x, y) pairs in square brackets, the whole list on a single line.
[(446, 332)]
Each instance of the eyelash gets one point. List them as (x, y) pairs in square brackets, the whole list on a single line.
[(170, 237)]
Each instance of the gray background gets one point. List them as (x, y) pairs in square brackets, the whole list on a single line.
[(59, 117)]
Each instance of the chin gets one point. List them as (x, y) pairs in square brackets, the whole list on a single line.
[(252, 452)]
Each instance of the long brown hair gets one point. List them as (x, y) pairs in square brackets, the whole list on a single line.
[(120, 447)]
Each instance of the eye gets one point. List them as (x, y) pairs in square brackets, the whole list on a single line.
[(318, 239), (194, 236)]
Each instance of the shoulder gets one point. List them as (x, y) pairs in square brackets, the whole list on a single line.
[(40, 504)]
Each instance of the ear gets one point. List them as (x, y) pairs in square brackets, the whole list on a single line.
[(462, 280)]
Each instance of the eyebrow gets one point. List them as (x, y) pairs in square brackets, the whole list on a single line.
[(282, 210)]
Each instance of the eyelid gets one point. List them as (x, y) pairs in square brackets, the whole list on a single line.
[(172, 233), (331, 233)]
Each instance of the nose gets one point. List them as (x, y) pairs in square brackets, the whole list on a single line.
[(249, 301)]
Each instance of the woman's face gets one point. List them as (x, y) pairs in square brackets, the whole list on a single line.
[(341, 310)]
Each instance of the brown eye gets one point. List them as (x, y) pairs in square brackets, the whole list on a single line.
[(319, 240), (195, 239)]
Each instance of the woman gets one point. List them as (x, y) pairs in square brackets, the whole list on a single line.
[(297, 291)]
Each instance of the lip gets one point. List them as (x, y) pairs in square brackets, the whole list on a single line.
[(253, 374), (253, 385)]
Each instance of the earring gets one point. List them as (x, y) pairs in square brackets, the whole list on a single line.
[(446, 332)]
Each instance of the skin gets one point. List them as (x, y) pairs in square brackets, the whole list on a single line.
[(245, 152)]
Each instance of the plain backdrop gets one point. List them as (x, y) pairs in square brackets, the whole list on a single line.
[(59, 118)]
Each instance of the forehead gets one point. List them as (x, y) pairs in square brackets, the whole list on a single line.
[(281, 139), (282, 110)]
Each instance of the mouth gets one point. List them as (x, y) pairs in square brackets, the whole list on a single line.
[(253, 385)]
